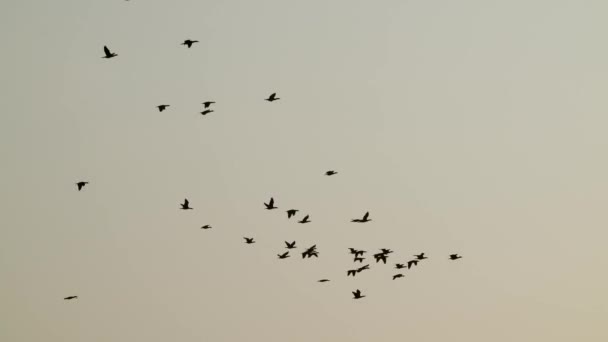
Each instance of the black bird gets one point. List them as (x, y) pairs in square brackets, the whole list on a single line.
[(323, 280), (206, 227), (208, 103), (291, 212), (81, 185), (107, 52), (455, 257), (420, 256), (207, 111), (311, 251), (359, 259), (356, 252), (185, 205), (412, 262), (70, 297), (351, 272), (290, 245), (399, 266), (363, 268), (304, 220), (397, 276), (357, 294), (365, 218), (189, 42), (386, 251), (284, 255), (270, 205), (330, 173), (248, 240), (162, 107), (272, 97), (380, 256)]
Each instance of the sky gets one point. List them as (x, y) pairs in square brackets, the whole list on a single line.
[(473, 127)]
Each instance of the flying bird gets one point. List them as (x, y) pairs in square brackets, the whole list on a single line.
[(270, 204), (357, 294), (363, 268), (359, 259), (351, 272), (291, 212), (208, 103), (107, 52), (412, 262), (70, 297), (386, 251), (272, 97), (397, 276), (330, 173), (248, 240), (290, 245), (399, 266), (356, 252), (189, 42), (206, 227), (162, 107), (323, 280), (185, 205), (455, 257), (304, 220), (363, 220), (81, 185), (284, 255), (207, 111), (420, 256), (380, 256)]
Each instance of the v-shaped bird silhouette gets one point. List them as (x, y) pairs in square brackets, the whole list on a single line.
[(455, 257), (248, 240), (207, 111), (107, 53), (185, 205), (357, 294), (291, 212), (363, 220), (272, 97), (412, 262), (189, 42), (270, 204), (304, 220), (284, 255), (330, 173), (81, 185), (420, 256), (208, 103), (290, 245), (162, 107)]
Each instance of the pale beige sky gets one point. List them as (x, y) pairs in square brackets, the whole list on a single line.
[(473, 126)]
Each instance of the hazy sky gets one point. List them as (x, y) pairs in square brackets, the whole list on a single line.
[(475, 127)]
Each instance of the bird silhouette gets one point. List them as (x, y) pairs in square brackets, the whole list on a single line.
[(351, 272), (70, 297), (291, 212), (363, 220), (386, 251), (208, 103), (304, 220), (189, 42), (162, 107), (420, 256), (330, 173), (399, 266), (359, 259), (323, 280), (185, 205), (284, 255), (363, 268), (290, 245), (206, 227), (107, 52), (380, 256), (81, 185), (272, 97), (397, 276), (412, 262), (357, 294), (270, 204), (356, 252), (455, 257), (207, 111), (311, 251), (248, 240)]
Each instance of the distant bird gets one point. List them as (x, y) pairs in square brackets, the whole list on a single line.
[(70, 297), (380, 256), (356, 252), (386, 251), (206, 227), (248, 240), (81, 185), (397, 276), (330, 173), (311, 251), (290, 245), (363, 268), (207, 111), (399, 266), (185, 205), (357, 294), (455, 257), (359, 259), (291, 212), (162, 107), (351, 272), (189, 42), (412, 262), (272, 97), (284, 255), (323, 280), (304, 220), (420, 256), (363, 220), (208, 103), (107, 52), (270, 205)]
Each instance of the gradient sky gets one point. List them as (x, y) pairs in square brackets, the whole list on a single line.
[(475, 127)]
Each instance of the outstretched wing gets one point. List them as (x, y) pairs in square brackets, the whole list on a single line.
[(366, 216), (106, 50)]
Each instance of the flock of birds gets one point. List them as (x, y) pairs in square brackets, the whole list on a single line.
[(309, 252)]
